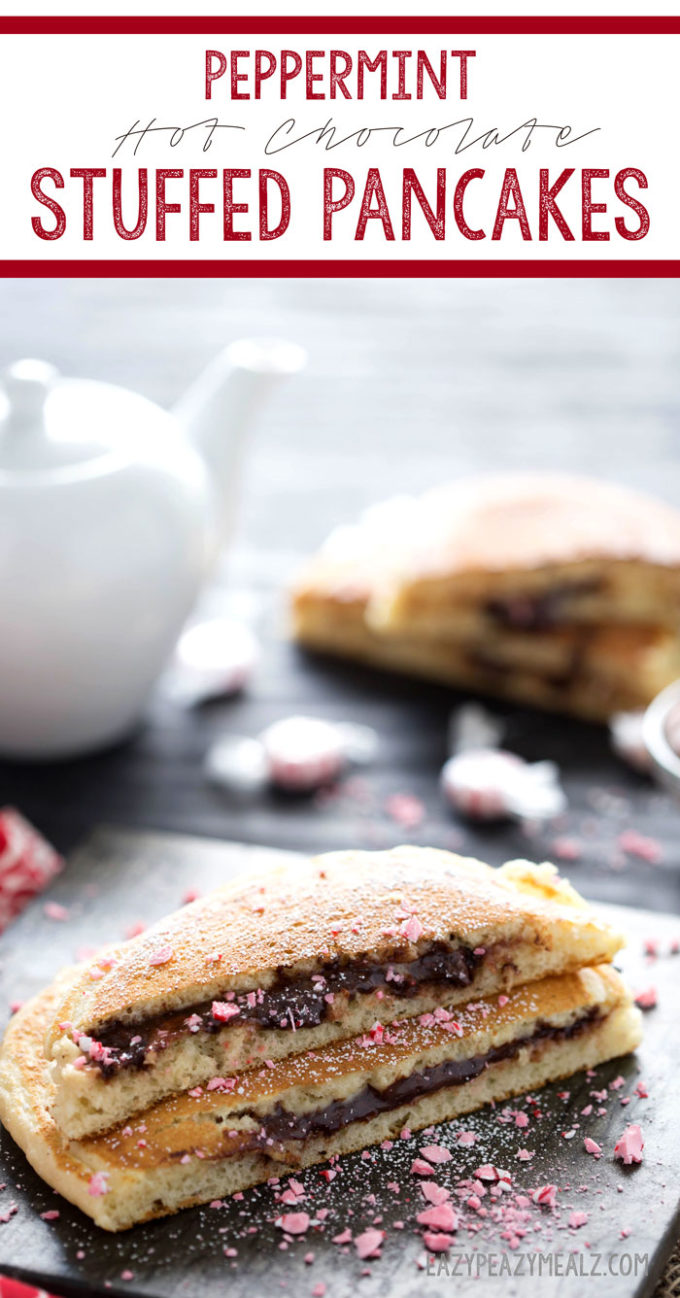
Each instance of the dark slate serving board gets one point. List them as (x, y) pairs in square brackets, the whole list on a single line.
[(118, 878)]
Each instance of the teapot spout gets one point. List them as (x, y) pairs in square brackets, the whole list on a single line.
[(223, 404)]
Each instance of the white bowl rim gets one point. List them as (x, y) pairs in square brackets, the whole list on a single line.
[(655, 737)]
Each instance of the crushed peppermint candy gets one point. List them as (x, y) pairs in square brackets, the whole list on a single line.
[(368, 1243), (566, 849), (162, 956), (436, 1154), (412, 929), (420, 1168), (28, 864), (294, 1223), (437, 1242), (630, 1145), (406, 809), (134, 930), (440, 1216), (53, 910), (487, 1172), (435, 1194), (635, 844), (223, 1011), (646, 999)]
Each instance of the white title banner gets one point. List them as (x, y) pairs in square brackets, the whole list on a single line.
[(327, 146)]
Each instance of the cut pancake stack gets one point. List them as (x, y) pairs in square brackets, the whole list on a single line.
[(558, 591), (302, 1013)]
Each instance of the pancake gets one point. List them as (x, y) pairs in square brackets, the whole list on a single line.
[(305, 1108), (589, 671), (282, 962), (533, 550), (557, 591)]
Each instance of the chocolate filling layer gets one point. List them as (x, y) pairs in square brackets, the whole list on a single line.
[(540, 612), (281, 1126), (289, 1003), (484, 660)]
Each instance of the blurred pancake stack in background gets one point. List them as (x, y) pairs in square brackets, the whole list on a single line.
[(557, 591)]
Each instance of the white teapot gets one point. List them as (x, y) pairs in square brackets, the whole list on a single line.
[(111, 512)]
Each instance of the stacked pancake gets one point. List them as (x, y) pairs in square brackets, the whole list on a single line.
[(301, 1013), (558, 591)]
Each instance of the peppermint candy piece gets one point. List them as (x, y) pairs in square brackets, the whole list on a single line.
[(298, 754), (302, 753), (237, 764), (212, 659), (490, 784), (630, 1145), (27, 864)]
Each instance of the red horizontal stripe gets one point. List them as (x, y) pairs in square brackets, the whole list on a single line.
[(378, 25), (384, 269)]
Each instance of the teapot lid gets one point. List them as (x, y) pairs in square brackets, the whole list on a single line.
[(49, 423)]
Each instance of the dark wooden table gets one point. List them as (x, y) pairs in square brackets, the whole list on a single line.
[(408, 383)]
